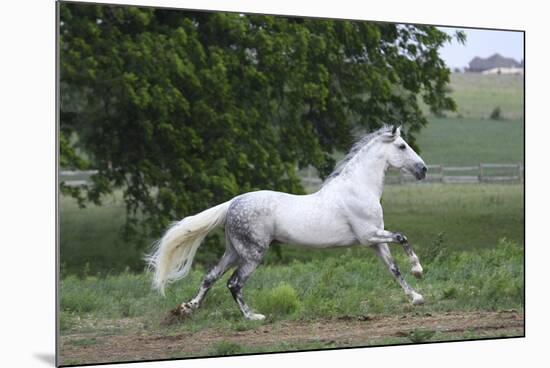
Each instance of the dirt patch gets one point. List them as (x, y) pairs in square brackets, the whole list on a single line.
[(341, 332)]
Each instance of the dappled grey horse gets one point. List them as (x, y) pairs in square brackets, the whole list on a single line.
[(346, 211)]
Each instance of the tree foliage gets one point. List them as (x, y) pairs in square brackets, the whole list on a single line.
[(183, 110)]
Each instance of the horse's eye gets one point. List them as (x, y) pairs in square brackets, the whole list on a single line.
[(402, 146)]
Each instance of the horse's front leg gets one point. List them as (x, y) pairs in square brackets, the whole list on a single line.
[(383, 251), (384, 236)]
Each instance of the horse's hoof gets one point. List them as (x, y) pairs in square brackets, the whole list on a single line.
[(177, 315), (181, 311), (417, 271), (401, 239), (185, 309), (255, 317), (417, 299)]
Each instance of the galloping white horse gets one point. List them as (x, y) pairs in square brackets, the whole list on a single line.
[(346, 211)]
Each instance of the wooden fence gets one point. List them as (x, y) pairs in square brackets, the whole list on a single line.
[(482, 173), (76, 178)]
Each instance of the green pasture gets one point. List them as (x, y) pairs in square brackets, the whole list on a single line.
[(91, 238), (467, 216), (469, 238), (470, 136), (469, 141), (477, 95), (346, 285)]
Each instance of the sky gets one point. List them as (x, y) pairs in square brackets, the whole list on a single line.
[(482, 43)]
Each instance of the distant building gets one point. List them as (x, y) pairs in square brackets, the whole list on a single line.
[(495, 62)]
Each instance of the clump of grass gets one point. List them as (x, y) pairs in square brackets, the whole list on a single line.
[(318, 306), (280, 301), (436, 249), (77, 299), (125, 308), (486, 280), (450, 293), (66, 321), (420, 335), (226, 348)]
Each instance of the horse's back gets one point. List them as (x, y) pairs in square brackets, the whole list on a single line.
[(308, 220)]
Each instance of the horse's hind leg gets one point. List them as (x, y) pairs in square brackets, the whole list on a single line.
[(228, 259), (383, 251), (235, 285), (247, 227)]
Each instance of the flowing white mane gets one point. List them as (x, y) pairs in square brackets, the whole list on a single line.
[(354, 150)]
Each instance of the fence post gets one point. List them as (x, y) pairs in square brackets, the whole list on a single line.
[(480, 178)]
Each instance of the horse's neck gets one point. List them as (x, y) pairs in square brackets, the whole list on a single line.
[(367, 175)]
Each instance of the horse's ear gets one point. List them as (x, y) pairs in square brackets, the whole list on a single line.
[(390, 135), (396, 131)]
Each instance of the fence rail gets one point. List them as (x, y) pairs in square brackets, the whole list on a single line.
[(482, 173)]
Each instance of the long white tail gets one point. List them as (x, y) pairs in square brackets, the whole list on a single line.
[(173, 254)]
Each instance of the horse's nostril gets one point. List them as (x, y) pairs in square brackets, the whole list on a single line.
[(424, 169)]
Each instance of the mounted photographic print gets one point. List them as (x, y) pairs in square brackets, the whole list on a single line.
[(235, 183)]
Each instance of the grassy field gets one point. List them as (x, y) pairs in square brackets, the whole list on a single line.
[(469, 136), (467, 216), (469, 239), (90, 238), (469, 141), (478, 95), (98, 312), (346, 285)]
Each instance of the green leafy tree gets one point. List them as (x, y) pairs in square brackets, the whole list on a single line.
[(183, 110)]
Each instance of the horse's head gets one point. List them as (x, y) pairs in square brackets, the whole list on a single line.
[(401, 156)]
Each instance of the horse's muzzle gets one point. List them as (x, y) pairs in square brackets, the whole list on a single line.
[(419, 171)]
